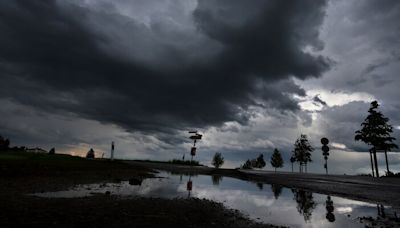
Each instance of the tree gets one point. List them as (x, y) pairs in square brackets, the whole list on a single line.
[(276, 159), (376, 132), (305, 203), (218, 160), (52, 151), (292, 160), (4, 143), (260, 162), (247, 165), (302, 151), (90, 153)]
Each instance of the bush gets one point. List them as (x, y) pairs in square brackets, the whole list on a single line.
[(218, 160)]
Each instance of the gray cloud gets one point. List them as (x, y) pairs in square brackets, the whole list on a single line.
[(76, 58)]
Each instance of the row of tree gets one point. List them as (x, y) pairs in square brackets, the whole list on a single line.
[(375, 131)]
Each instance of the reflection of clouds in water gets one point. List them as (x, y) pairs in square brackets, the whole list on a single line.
[(233, 196), (237, 194), (343, 210)]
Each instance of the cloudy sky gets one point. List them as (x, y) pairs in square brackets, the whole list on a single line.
[(250, 75)]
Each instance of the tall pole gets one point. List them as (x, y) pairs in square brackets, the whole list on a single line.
[(112, 151)]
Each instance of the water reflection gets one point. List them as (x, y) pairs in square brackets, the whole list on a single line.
[(305, 203), (271, 204), (329, 209), (277, 190), (216, 179), (383, 219)]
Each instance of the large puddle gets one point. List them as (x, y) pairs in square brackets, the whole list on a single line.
[(262, 202)]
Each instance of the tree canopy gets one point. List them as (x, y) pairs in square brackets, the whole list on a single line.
[(375, 130), (302, 150), (218, 160), (276, 159)]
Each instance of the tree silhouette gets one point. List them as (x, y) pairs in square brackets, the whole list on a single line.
[(216, 179), (305, 203), (247, 165), (4, 143), (277, 190), (292, 160), (90, 153), (52, 151), (376, 132), (260, 162), (276, 159), (302, 151), (218, 160)]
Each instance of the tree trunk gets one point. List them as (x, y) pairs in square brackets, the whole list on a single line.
[(292, 167), (387, 163), (376, 164), (372, 164)]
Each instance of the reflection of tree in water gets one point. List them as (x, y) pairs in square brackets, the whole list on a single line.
[(384, 219), (277, 190), (260, 186), (305, 203), (216, 179), (329, 209)]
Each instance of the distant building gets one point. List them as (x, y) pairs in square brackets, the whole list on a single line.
[(36, 150)]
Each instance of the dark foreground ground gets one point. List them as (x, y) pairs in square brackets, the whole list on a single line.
[(22, 174)]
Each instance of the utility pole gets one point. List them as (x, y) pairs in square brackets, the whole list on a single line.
[(112, 151)]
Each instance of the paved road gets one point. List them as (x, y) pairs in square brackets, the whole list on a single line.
[(376, 190)]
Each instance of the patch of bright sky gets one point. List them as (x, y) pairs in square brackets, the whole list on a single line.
[(332, 98)]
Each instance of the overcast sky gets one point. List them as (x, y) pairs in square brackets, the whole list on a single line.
[(250, 75)]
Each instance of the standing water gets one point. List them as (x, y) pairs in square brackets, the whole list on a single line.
[(267, 203)]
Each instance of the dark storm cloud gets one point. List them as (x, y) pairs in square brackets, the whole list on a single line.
[(69, 58)]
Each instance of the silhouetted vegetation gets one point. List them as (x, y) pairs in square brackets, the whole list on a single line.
[(216, 179), (218, 160), (90, 154), (376, 132), (302, 152), (4, 143), (246, 165), (305, 203), (276, 159), (52, 151), (180, 162), (258, 163), (277, 190)]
